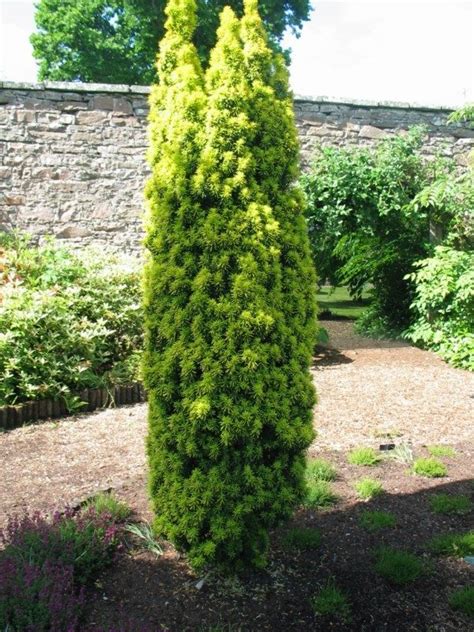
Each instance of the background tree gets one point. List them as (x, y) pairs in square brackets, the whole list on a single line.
[(115, 40), (230, 313)]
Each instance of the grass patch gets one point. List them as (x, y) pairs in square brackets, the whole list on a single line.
[(338, 302), (320, 495), (463, 600), (430, 468), (363, 456), (105, 503), (368, 488), (330, 600), (453, 544), (398, 567), (303, 538), (376, 520), (450, 504), (320, 470), (441, 451)]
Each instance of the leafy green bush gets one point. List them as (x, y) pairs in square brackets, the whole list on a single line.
[(398, 567), (229, 296), (451, 504), (443, 305), (363, 226), (430, 468), (67, 320)]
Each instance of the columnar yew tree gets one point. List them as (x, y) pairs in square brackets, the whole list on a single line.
[(229, 295)]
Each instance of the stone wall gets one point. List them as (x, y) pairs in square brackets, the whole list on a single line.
[(72, 156)]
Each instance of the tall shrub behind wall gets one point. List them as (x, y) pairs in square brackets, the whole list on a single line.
[(229, 342)]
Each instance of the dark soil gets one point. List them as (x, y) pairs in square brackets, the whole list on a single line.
[(147, 592)]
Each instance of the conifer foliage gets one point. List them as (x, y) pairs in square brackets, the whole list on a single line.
[(229, 295)]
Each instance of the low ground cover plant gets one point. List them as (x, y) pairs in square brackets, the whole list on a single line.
[(430, 468), (363, 456), (463, 600), (368, 488), (398, 567), (107, 503), (319, 469), (67, 321), (302, 538), (453, 544), (47, 563), (331, 601), (441, 451), (319, 495), (376, 520), (451, 504)]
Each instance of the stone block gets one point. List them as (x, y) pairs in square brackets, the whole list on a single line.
[(72, 106), (368, 131), (5, 172), (123, 105), (14, 200), (91, 118), (73, 231), (102, 103)]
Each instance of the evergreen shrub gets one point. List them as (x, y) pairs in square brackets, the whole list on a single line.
[(229, 295)]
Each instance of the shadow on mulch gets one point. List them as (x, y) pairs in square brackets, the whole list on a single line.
[(152, 592), (328, 356)]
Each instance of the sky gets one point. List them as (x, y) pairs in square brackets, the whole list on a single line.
[(419, 51)]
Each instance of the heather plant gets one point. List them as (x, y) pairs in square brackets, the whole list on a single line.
[(229, 296), (45, 564)]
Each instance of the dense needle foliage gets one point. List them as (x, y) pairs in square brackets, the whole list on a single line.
[(229, 287)]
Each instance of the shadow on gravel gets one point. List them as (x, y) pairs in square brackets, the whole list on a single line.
[(152, 591), (327, 356)]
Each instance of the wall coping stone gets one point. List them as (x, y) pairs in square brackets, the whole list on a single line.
[(74, 86)]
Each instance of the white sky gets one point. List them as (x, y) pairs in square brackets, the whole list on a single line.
[(405, 50)]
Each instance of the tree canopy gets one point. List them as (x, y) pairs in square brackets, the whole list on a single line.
[(115, 41)]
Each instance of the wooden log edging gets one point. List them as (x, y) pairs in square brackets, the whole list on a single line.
[(119, 395)]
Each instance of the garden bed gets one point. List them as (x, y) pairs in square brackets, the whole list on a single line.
[(370, 393)]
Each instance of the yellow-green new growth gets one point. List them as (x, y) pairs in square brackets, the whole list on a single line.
[(229, 296)]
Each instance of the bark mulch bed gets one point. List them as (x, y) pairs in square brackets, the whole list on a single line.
[(370, 392)]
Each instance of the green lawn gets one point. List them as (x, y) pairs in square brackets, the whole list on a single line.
[(339, 303)]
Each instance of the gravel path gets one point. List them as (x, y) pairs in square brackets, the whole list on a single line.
[(367, 390)]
